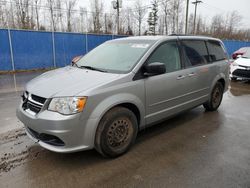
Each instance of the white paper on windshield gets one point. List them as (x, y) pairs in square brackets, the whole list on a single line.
[(140, 45)]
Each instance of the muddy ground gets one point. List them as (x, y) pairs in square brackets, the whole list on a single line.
[(194, 149)]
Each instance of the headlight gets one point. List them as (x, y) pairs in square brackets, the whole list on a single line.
[(235, 64), (67, 105)]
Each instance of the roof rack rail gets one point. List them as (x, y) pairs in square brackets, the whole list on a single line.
[(175, 34)]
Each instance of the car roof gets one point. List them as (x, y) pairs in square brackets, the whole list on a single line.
[(245, 48), (145, 38), (164, 37)]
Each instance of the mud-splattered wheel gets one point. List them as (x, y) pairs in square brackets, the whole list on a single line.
[(215, 98), (116, 132)]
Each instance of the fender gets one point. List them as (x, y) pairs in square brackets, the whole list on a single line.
[(115, 100), (215, 80)]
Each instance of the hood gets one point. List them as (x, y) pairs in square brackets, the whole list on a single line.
[(67, 81), (243, 61)]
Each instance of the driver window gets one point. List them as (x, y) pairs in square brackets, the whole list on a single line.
[(168, 54)]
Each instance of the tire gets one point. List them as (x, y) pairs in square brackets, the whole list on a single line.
[(215, 98), (116, 132), (233, 78)]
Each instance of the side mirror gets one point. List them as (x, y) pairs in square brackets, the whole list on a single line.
[(76, 59), (155, 68)]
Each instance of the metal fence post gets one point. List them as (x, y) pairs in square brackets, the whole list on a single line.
[(86, 34), (86, 42), (53, 48), (11, 50), (12, 57)]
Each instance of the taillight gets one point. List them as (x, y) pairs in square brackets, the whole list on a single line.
[(234, 56)]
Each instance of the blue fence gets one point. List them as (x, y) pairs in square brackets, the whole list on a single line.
[(233, 45), (37, 50)]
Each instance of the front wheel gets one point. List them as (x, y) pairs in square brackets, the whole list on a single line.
[(215, 98), (116, 132)]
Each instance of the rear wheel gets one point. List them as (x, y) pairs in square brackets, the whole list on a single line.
[(215, 98), (116, 132)]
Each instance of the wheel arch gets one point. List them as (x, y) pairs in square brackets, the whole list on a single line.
[(222, 79), (126, 100), (133, 108)]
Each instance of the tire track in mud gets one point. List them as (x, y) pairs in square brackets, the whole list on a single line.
[(11, 135), (16, 149)]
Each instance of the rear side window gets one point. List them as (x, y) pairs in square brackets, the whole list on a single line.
[(216, 52), (196, 52)]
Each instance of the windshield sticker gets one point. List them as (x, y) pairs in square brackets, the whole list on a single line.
[(140, 45)]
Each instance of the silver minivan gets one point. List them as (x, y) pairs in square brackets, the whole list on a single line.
[(121, 87)]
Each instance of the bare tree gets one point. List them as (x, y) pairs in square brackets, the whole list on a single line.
[(190, 23), (226, 26), (175, 10), (161, 24), (139, 14), (217, 25), (199, 25), (97, 9), (127, 20), (25, 21), (2, 13), (233, 20), (59, 15), (37, 4), (70, 4), (11, 19), (83, 12), (108, 23), (51, 5), (166, 10)]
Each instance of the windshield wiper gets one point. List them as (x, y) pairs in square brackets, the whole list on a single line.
[(92, 68)]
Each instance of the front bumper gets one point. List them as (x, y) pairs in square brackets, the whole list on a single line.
[(240, 72), (73, 132)]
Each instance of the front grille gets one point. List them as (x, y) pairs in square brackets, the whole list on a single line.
[(32, 102), (242, 73), (246, 67), (33, 107), (38, 99)]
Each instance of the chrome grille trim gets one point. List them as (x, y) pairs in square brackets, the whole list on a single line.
[(30, 105), (33, 101), (247, 67)]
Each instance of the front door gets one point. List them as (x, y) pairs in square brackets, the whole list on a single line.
[(166, 94)]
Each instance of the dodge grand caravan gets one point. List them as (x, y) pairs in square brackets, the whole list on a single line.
[(119, 88)]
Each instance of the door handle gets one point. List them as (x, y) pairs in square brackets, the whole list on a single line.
[(191, 74), (181, 77)]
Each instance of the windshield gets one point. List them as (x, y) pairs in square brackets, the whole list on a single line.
[(115, 56), (247, 53)]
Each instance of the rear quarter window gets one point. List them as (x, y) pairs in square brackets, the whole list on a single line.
[(215, 50)]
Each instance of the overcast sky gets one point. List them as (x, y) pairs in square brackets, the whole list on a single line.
[(211, 7), (207, 9)]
